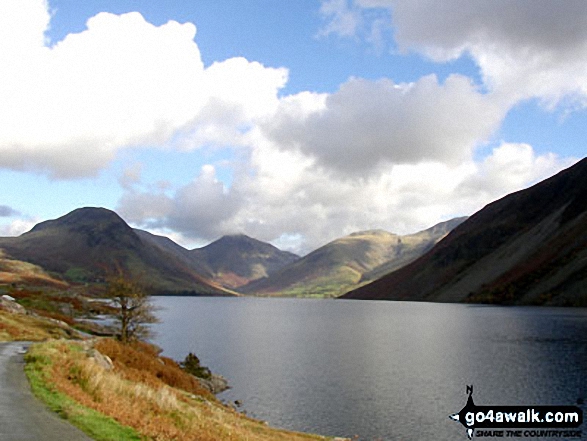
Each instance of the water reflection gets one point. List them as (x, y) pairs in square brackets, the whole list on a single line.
[(378, 369)]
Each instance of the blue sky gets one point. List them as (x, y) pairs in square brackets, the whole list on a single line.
[(293, 122)]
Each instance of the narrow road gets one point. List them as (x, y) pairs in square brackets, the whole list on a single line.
[(22, 416)]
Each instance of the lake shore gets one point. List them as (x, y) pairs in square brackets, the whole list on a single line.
[(101, 385)]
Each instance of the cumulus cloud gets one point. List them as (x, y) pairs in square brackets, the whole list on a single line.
[(313, 167), (201, 209), (367, 123), (285, 198), (524, 49), (67, 109), (510, 166)]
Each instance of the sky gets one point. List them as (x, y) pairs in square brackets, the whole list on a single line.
[(293, 122)]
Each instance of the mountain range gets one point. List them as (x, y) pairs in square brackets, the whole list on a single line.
[(230, 261), (89, 244), (345, 263), (529, 247)]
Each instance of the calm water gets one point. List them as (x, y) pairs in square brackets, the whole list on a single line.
[(379, 370)]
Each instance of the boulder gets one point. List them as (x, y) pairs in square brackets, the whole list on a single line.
[(100, 359), (11, 306)]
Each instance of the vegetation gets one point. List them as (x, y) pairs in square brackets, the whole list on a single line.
[(192, 366), (40, 370), (133, 400), (21, 327), (82, 246), (116, 391), (134, 313)]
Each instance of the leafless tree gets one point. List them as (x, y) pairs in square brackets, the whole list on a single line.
[(134, 312)]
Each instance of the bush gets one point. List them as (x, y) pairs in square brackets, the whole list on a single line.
[(191, 365)]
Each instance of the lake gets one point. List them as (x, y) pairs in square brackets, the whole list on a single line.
[(378, 370)]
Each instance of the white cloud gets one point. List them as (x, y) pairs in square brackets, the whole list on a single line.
[(313, 167), (285, 198), (68, 108), (369, 123), (16, 227), (509, 167), (200, 209), (524, 48)]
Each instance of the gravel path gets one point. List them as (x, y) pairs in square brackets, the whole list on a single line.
[(22, 416)]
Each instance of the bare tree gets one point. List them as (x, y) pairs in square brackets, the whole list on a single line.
[(134, 312)]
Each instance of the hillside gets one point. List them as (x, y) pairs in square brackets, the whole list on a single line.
[(346, 262), (88, 243), (236, 260), (529, 247), (23, 273), (176, 250)]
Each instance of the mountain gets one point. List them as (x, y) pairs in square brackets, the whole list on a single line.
[(179, 252), (88, 243), (235, 260), (412, 246), (529, 247), (346, 262)]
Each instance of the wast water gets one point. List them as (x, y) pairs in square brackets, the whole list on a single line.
[(378, 370)]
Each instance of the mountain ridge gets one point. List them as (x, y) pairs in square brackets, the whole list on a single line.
[(343, 263), (529, 247), (90, 242)]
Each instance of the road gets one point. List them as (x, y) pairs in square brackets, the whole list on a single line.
[(22, 416)]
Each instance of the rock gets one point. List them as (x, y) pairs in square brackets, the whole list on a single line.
[(216, 384), (11, 306), (100, 359)]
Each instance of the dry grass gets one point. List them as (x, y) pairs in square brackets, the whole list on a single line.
[(19, 327), (141, 399), (16, 271), (140, 362)]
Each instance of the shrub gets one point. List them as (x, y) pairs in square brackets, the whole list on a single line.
[(192, 366)]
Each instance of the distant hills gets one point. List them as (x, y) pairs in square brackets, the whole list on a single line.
[(239, 259), (88, 243), (345, 263), (529, 247), (230, 261)]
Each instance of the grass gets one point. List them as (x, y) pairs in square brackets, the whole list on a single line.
[(143, 397), (98, 426), (136, 394), (20, 327), (333, 285), (16, 271)]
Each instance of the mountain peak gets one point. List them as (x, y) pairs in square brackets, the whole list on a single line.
[(87, 243), (237, 259), (83, 216)]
